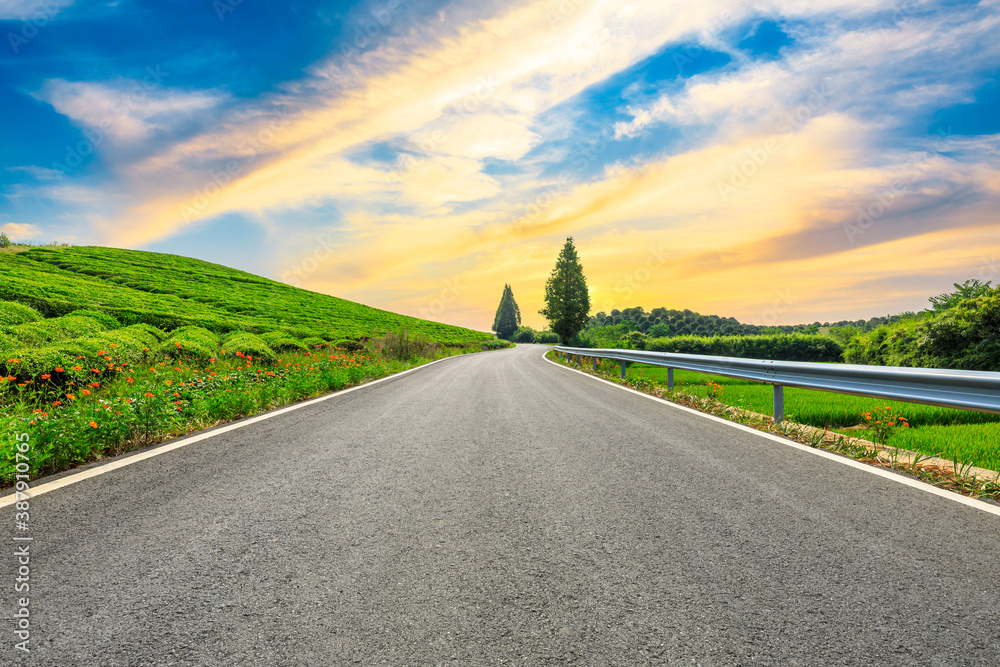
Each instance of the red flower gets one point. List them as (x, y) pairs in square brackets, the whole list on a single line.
[(57, 403), (59, 370), (148, 394), (95, 384)]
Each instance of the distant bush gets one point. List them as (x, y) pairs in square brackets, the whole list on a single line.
[(496, 344), (4, 240), (547, 338), (249, 344), (524, 334), (402, 346), (279, 341), (778, 347), (13, 313), (190, 342), (313, 342)]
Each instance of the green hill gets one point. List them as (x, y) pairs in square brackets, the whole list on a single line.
[(169, 292)]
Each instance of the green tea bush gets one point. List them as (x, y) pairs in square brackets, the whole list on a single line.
[(249, 344), (313, 342), (190, 342), (778, 347), (54, 329), (109, 321), (13, 314), (350, 346), (79, 358), (279, 341)]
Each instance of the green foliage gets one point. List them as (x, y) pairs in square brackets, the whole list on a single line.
[(246, 343), (279, 341), (547, 338), (108, 321), (508, 317), (970, 289), (965, 336), (402, 346), (567, 301), (635, 340), (524, 334), (13, 313), (78, 358), (169, 292), (190, 342), (350, 346), (4, 240), (313, 342), (777, 347), (52, 330)]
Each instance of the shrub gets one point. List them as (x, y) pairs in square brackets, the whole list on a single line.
[(279, 341), (312, 342), (778, 347), (124, 346), (248, 344), (53, 330), (108, 321), (524, 334), (13, 313), (4, 240), (350, 346), (547, 338), (401, 346), (190, 342)]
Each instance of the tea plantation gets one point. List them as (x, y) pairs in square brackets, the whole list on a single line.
[(56, 303)]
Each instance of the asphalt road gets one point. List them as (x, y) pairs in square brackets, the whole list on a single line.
[(498, 509)]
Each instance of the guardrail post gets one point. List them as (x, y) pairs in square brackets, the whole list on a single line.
[(624, 366), (595, 364), (670, 379), (779, 403)]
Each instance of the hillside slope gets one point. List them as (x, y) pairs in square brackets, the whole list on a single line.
[(168, 291)]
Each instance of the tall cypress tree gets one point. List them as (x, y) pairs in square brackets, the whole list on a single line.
[(567, 302), (508, 317)]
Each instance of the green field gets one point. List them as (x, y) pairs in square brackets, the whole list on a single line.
[(105, 350), (971, 437)]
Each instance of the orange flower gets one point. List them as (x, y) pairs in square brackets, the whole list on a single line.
[(71, 397), (148, 394), (94, 370), (46, 376), (77, 368), (178, 344), (13, 361), (57, 403), (145, 349), (59, 370), (85, 392), (107, 358), (168, 382), (129, 380), (177, 395), (95, 384), (93, 424), (100, 353)]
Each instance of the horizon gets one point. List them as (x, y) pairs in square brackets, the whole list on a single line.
[(781, 165)]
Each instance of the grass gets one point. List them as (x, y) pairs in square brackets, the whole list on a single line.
[(970, 437)]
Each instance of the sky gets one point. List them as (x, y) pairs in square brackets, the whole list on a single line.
[(775, 161)]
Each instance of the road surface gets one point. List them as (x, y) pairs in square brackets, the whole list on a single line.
[(498, 509)]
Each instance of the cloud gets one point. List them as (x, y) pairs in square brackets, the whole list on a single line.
[(18, 231), (127, 110)]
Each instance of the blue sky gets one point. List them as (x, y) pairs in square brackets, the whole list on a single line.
[(419, 155)]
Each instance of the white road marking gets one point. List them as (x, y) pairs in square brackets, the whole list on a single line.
[(881, 472)]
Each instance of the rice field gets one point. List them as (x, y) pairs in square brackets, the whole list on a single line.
[(970, 437)]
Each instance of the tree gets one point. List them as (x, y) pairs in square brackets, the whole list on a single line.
[(971, 289), (567, 302), (508, 317)]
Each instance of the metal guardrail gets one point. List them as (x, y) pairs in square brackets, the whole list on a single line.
[(968, 390)]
